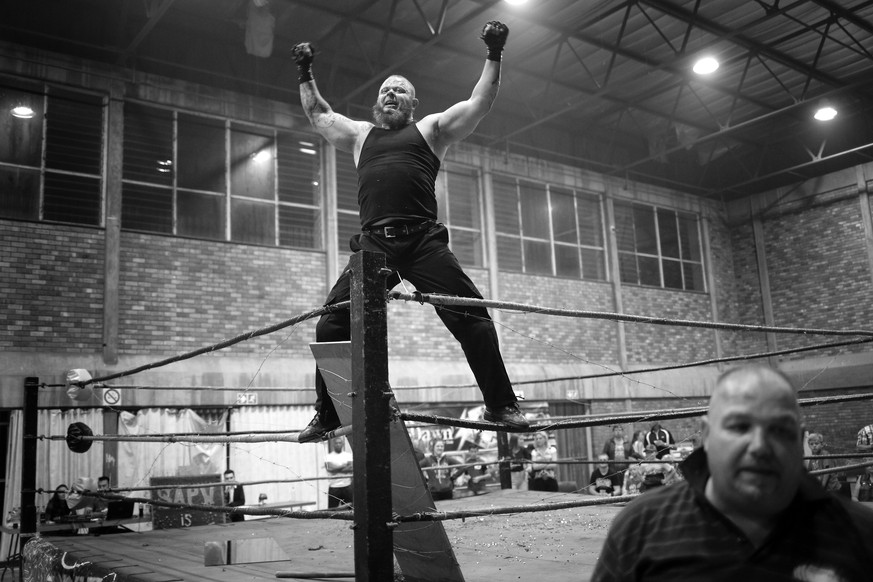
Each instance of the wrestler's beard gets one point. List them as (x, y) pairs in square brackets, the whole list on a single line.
[(392, 118)]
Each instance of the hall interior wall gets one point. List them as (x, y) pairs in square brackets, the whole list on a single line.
[(179, 294)]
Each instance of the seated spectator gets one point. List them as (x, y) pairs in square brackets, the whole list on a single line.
[(650, 473), (234, 496), (478, 474), (543, 457), (79, 499), (57, 506), (101, 503), (604, 480)]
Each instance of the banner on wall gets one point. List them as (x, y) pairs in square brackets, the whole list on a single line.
[(177, 492), (459, 439)]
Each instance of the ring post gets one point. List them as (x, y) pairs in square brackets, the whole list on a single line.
[(30, 427), (374, 541)]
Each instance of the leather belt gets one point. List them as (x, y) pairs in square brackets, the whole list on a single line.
[(390, 231)]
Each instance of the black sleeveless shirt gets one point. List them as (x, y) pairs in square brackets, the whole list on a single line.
[(396, 175)]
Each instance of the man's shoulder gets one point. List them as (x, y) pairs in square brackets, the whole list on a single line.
[(860, 515), (658, 503)]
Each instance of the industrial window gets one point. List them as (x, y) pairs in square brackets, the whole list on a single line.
[(544, 229), (215, 179), (51, 159), (348, 217), (658, 247), (460, 209)]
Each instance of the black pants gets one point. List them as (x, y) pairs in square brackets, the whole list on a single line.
[(337, 496), (425, 260)]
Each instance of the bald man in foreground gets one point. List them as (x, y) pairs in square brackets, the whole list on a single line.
[(747, 510)]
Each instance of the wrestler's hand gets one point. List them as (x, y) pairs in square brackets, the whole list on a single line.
[(303, 54), (494, 35)]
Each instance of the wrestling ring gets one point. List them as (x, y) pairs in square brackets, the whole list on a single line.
[(397, 531)]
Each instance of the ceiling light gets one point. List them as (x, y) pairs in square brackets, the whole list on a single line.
[(825, 113), (22, 112), (261, 156), (705, 66), (516, 2)]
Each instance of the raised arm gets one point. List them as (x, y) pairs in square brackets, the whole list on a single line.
[(459, 120), (343, 133)]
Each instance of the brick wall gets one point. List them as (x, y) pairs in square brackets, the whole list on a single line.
[(818, 271), (175, 294), (838, 423), (179, 295), (649, 344), (547, 338), (51, 285)]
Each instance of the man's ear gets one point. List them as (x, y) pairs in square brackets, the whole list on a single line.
[(414, 103)]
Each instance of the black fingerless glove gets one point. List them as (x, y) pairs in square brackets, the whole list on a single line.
[(303, 54), (494, 34)]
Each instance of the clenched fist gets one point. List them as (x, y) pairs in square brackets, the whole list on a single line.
[(303, 54), (494, 35)]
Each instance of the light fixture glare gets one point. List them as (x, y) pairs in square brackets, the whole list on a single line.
[(22, 112), (825, 113), (705, 66)]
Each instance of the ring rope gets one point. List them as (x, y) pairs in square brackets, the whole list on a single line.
[(706, 362), (471, 302), (220, 345), (841, 468), (571, 422)]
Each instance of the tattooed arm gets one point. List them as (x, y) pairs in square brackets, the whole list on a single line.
[(343, 133)]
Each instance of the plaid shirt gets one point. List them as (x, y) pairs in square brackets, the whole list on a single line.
[(865, 436)]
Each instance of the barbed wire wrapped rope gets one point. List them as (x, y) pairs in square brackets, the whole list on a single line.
[(78, 434), (481, 425), (693, 364), (220, 345), (450, 300), (445, 300)]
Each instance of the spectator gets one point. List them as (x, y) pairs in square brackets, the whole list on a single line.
[(543, 457), (650, 473), (478, 474), (865, 439), (618, 449), (604, 480), (440, 479), (79, 499), (519, 463), (339, 465), (864, 484), (57, 506), (234, 496), (638, 444), (830, 481), (101, 503), (661, 438), (747, 510)]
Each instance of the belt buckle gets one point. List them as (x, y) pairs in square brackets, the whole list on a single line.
[(389, 231)]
